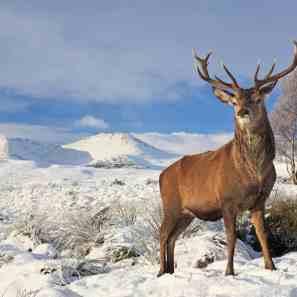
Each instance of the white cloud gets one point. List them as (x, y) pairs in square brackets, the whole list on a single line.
[(108, 51), (89, 121), (43, 57), (40, 133)]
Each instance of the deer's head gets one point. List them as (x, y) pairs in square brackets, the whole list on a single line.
[(248, 103)]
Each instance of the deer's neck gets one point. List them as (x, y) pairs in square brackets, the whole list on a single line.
[(254, 148)]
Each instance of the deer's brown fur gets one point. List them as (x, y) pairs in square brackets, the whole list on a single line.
[(218, 184)]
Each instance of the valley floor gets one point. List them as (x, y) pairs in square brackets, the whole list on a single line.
[(38, 202)]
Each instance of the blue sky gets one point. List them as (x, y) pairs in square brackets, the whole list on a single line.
[(74, 67)]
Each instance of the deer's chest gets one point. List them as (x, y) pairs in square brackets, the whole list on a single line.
[(246, 196), (250, 197)]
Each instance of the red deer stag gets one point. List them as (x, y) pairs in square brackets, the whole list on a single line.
[(220, 184)]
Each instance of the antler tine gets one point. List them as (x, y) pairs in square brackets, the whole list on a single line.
[(267, 75), (257, 72), (274, 78), (271, 70), (203, 63), (201, 67), (236, 85)]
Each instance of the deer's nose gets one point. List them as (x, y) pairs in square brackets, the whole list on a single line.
[(243, 112)]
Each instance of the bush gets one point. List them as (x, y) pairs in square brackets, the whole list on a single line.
[(77, 229), (150, 181), (125, 213), (80, 230), (282, 222), (5, 259), (119, 253), (195, 227), (117, 182), (147, 234), (244, 228), (69, 270), (116, 162), (281, 226), (33, 226)]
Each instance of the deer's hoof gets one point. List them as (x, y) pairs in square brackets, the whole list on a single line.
[(160, 273), (270, 267), (229, 272)]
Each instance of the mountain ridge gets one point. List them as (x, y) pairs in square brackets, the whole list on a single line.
[(142, 150)]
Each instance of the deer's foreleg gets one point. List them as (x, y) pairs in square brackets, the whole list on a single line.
[(257, 219), (230, 228)]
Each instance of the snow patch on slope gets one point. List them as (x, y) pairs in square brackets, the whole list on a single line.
[(41, 153), (110, 150), (115, 146)]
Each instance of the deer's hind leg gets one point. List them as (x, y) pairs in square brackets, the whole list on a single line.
[(167, 227), (181, 226)]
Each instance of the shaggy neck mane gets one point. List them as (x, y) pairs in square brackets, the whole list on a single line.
[(254, 148)]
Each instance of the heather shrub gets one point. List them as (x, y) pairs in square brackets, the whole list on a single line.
[(281, 220), (280, 224), (77, 230), (147, 234), (124, 213)]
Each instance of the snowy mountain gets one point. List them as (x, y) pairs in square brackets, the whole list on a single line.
[(121, 148), (109, 150), (41, 153)]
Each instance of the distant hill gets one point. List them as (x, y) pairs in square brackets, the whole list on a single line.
[(121, 148), (41, 153), (109, 150)]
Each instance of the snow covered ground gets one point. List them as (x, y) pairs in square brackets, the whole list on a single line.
[(61, 202)]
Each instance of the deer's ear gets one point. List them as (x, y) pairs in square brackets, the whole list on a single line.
[(265, 90), (223, 95)]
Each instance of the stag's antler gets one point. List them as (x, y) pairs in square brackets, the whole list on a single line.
[(217, 82), (269, 78)]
